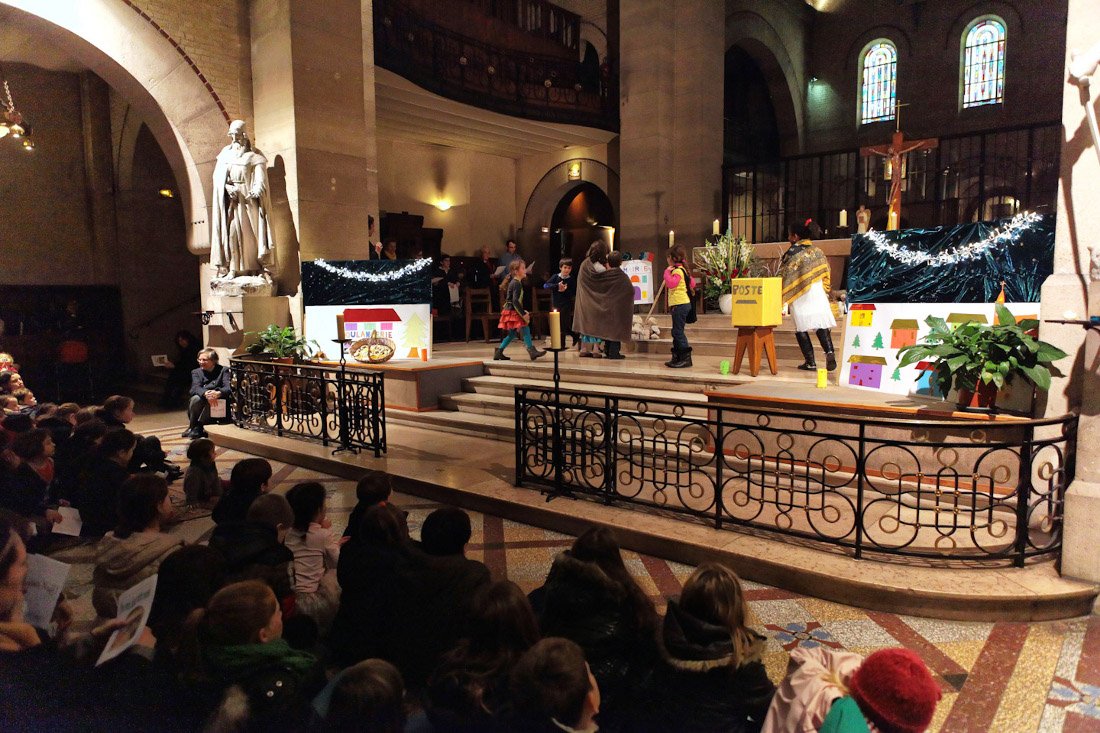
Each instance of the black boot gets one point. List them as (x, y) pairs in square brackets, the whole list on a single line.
[(826, 339), (675, 358), (535, 353), (498, 355), (807, 347), (683, 361), (614, 350)]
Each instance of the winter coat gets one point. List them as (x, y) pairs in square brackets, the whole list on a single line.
[(403, 605), (583, 604), (699, 688), (233, 505), (252, 551), (123, 563)]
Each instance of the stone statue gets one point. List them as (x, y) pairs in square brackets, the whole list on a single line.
[(242, 244), (863, 219)]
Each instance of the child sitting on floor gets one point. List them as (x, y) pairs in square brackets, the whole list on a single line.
[(201, 483), (373, 488), (316, 551)]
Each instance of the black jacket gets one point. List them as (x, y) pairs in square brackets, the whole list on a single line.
[(97, 497), (252, 551), (402, 605), (699, 688), (233, 506), (217, 378), (585, 605)]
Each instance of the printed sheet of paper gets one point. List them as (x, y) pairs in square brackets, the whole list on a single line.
[(217, 409), (160, 360), (45, 580), (133, 606)]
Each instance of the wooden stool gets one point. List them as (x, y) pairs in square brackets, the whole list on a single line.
[(755, 339)]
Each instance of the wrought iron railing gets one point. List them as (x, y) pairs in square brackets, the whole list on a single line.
[(955, 490), (467, 70), (328, 404)]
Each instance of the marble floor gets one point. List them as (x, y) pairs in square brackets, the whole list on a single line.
[(1007, 676)]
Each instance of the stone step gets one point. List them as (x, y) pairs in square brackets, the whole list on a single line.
[(461, 423), (506, 386), (789, 354), (501, 405)]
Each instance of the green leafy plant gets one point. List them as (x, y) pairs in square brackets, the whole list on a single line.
[(972, 354), (281, 342), (723, 260)]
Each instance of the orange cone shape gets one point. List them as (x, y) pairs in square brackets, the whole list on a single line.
[(1001, 296)]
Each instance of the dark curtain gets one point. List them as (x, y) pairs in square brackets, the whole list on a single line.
[(1022, 264), (322, 286)]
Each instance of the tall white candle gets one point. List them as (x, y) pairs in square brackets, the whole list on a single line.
[(555, 330), (714, 227), (843, 217), (671, 237), (340, 326)]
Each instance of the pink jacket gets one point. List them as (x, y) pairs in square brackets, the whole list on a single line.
[(816, 678)]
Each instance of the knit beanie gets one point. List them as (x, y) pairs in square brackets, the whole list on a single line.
[(895, 691)]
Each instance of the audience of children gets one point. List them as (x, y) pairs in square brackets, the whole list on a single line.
[(407, 615)]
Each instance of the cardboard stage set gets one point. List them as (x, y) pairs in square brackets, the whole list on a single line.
[(897, 279), (388, 300)]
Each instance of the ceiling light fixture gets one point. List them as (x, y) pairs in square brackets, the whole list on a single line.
[(11, 120)]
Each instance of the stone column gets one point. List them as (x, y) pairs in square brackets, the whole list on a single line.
[(1066, 296), (672, 63), (311, 65)]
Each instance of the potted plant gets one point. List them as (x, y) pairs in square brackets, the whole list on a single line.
[(977, 359), (721, 261), (283, 343)]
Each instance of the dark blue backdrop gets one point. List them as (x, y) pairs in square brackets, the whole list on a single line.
[(1022, 264), (323, 287)]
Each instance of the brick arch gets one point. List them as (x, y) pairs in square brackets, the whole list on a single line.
[(760, 40), (119, 43)]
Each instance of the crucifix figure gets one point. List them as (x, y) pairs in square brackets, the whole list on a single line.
[(895, 153)]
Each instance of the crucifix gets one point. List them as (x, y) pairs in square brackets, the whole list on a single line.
[(894, 152)]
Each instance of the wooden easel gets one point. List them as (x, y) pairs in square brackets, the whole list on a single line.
[(756, 340)]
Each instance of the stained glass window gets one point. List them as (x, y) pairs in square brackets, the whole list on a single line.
[(880, 82), (983, 65)]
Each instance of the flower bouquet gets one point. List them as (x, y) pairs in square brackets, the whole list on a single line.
[(722, 260)]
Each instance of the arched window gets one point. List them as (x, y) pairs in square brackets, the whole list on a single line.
[(983, 63), (879, 72)]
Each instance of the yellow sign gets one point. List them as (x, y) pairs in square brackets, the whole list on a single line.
[(757, 301)]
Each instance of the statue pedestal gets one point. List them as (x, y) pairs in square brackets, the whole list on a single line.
[(241, 286), (234, 317)]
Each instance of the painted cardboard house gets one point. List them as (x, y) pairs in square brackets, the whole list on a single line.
[(862, 314), (926, 384), (956, 319), (903, 332), (866, 371), (361, 322)]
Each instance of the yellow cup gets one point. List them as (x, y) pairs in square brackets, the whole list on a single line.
[(822, 378)]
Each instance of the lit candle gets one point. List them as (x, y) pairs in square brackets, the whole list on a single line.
[(423, 355), (671, 237), (555, 330), (892, 221), (714, 227), (822, 378), (843, 217), (340, 326)]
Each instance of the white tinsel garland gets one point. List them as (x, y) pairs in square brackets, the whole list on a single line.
[(972, 251), (375, 277)]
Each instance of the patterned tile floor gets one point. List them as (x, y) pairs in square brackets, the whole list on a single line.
[(1007, 677)]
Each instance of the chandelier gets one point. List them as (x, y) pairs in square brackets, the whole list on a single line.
[(11, 120)]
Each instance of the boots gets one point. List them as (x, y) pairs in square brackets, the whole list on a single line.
[(614, 350), (535, 353), (498, 355), (807, 347), (826, 338), (681, 359)]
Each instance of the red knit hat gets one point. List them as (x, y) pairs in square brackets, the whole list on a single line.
[(895, 691)]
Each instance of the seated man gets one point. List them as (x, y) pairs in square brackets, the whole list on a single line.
[(209, 383)]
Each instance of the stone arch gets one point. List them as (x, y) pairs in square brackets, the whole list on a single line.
[(786, 81), (139, 60)]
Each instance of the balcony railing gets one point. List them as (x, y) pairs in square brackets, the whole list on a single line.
[(991, 492), (473, 72)]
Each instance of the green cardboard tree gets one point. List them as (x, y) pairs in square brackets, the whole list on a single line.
[(896, 376), (414, 335), (855, 344), (877, 344)]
